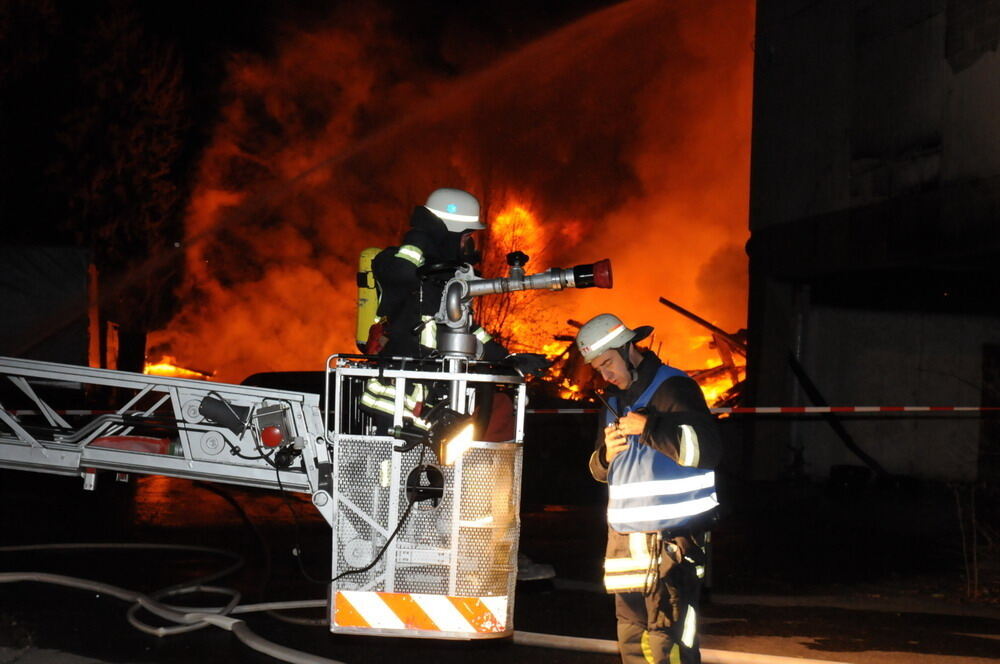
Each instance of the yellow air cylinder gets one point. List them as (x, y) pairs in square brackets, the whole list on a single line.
[(367, 296)]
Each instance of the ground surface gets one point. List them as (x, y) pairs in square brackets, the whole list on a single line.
[(803, 571)]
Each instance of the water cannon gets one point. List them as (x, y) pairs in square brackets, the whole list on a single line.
[(454, 317), (581, 276)]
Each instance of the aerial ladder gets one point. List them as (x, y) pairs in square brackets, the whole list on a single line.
[(423, 511)]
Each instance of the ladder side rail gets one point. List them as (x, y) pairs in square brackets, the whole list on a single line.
[(19, 431), (53, 418), (174, 466), (108, 377)]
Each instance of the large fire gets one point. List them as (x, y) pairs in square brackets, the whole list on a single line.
[(530, 324), (624, 135)]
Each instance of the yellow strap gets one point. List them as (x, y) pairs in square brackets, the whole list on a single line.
[(647, 651)]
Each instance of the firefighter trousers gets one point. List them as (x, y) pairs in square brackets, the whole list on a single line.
[(659, 625)]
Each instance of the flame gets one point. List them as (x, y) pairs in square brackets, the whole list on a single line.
[(715, 388), (570, 391), (167, 366), (518, 320), (553, 349)]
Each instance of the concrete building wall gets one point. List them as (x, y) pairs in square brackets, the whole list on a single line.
[(874, 358), (875, 224), (858, 101)]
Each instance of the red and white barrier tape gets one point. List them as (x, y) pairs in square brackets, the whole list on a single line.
[(795, 410), (773, 410)]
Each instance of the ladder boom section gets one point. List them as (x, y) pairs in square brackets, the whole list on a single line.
[(66, 419)]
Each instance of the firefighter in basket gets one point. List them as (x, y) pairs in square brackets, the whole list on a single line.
[(409, 280), (656, 449)]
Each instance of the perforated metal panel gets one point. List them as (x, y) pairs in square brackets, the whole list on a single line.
[(464, 547)]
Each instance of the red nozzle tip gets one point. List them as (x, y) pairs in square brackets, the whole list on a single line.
[(602, 273), (271, 436)]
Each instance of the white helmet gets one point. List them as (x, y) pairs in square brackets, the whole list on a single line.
[(459, 210), (606, 331)]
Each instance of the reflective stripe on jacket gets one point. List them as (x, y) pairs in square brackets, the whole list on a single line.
[(381, 397)]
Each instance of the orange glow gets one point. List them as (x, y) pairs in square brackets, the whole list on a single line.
[(167, 366), (325, 146), (178, 503)]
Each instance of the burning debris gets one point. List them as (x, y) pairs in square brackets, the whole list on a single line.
[(167, 366), (721, 383)]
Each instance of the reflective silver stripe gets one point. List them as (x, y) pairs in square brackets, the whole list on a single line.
[(482, 335), (690, 627), (372, 401), (658, 512), (428, 334), (625, 581), (375, 387), (689, 452), (411, 253), (638, 545), (637, 564), (612, 565), (699, 571), (376, 391), (451, 216), (605, 340), (662, 487)]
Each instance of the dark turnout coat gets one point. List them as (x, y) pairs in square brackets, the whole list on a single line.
[(678, 401)]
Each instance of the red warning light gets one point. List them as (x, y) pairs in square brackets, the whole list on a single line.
[(271, 436)]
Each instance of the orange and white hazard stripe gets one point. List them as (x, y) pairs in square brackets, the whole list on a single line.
[(419, 614)]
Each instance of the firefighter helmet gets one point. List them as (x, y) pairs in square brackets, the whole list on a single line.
[(606, 331), (459, 210)]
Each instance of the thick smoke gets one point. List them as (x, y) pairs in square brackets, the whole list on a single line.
[(626, 133)]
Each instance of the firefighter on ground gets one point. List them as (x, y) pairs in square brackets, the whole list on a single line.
[(656, 449)]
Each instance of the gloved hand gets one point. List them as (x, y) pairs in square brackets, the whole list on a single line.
[(376, 338), (528, 363)]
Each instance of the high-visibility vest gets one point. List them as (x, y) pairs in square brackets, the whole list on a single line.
[(650, 492)]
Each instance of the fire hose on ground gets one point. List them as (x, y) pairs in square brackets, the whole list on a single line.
[(223, 617)]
